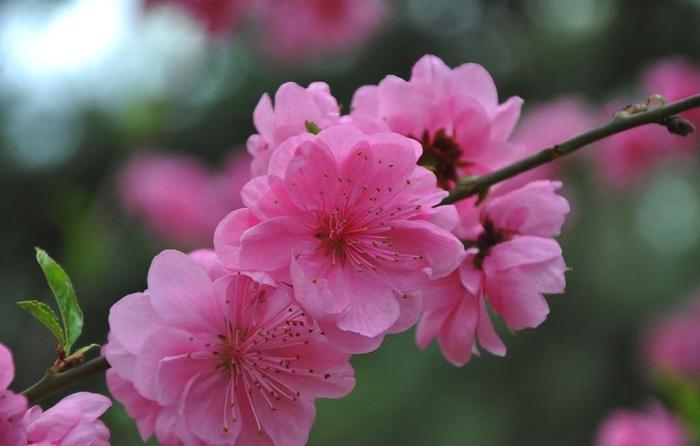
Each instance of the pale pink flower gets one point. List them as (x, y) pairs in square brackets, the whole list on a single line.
[(301, 29), (674, 78), (512, 261), (179, 197), (218, 17), (653, 427), (453, 113), (294, 105), (348, 219), (673, 344), (12, 406), (73, 421), (231, 361)]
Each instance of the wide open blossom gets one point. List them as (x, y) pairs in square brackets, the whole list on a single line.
[(218, 17), (300, 29), (210, 362), (348, 219), (673, 344), (180, 199), (12, 406), (511, 262), (653, 427), (294, 105), (453, 113)]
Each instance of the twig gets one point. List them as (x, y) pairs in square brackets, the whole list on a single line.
[(52, 382)]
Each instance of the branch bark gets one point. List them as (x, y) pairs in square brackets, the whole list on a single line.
[(658, 115), (52, 382)]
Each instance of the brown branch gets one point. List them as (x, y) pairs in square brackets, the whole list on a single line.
[(53, 382)]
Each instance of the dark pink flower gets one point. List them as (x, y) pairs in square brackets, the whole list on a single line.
[(348, 219), (294, 106), (294, 29), (12, 406), (227, 361), (179, 198), (218, 17), (653, 427), (453, 113)]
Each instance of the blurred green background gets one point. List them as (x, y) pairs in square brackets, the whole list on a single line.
[(72, 110)]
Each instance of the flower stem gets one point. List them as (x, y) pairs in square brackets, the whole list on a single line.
[(621, 122), (53, 382)]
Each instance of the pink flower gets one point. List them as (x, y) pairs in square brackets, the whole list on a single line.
[(653, 427), (218, 17), (348, 219), (674, 79), (178, 196), (512, 261), (673, 344), (453, 113), (295, 29), (12, 406), (227, 361), (74, 421), (294, 106)]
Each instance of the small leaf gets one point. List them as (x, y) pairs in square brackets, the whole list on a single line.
[(312, 127), (82, 350), (44, 314), (63, 291)]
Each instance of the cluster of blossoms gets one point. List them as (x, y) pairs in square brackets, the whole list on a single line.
[(341, 240), (73, 421), (290, 29)]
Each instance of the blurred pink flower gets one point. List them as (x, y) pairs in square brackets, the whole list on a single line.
[(675, 79), (511, 263), (12, 406), (218, 17), (299, 29), (178, 197), (231, 361), (294, 105), (73, 421), (348, 219), (453, 113), (653, 427), (673, 344)]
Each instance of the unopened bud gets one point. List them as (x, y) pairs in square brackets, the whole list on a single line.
[(678, 125)]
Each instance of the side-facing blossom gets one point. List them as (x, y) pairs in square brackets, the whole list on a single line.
[(653, 427), (300, 29), (179, 198), (73, 421), (229, 361), (512, 260), (672, 345), (348, 219), (453, 113), (12, 406), (294, 105), (218, 17), (674, 78)]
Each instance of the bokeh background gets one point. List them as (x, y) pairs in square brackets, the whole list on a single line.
[(84, 84)]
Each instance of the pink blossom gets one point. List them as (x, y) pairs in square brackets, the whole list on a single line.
[(218, 17), (348, 219), (74, 421), (179, 198), (673, 344), (653, 427), (512, 261), (12, 406), (453, 113), (227, 361), (674, 79), (294, 29), (294, 106)]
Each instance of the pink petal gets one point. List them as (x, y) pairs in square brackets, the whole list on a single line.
[(270, 245), (372, 311), (227, 237), (7, 368), (132, 319), (506, 117)]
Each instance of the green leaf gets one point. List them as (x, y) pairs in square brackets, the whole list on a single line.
[(63, 291), (44, 314), (312, 127), (82, 350)]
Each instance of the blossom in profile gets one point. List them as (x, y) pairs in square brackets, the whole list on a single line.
[(511, 261), (178, 197), (12, 406), (293, 107), (672, 344), (302, 29), (218, 17), (654, 426), (674, 78), (72, 421), (454, 113), (348, 219), (228, 361)]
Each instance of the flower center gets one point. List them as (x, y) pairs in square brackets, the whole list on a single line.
[(441, 154)]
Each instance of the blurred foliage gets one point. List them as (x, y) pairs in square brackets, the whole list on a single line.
[(631, 254)]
